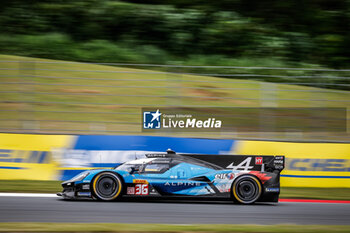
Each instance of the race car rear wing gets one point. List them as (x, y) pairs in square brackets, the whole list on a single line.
[(267, 163)]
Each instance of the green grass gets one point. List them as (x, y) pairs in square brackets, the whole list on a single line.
[(32, 186), (130, 87), (118, 227), (316, 193)]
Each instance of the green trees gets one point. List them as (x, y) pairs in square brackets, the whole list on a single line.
[(292, 32)]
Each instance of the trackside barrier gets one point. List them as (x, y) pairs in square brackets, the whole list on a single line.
[(307, 164), (26, 156), (52, 157)]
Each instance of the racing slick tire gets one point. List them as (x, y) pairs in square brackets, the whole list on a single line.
[(246, 189), (107, 186)]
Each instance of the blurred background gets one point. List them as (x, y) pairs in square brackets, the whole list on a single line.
[(311, 34), (135, 54)]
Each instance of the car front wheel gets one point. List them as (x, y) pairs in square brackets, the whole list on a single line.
[(107, 186)]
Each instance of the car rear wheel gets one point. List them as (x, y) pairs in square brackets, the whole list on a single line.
[(107, 186), (246, 189)]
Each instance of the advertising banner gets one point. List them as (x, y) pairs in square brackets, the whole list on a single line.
[(60, 157), (29, 157), (307, 164)]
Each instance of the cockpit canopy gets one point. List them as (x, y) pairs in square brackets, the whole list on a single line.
[(149, 165), (159, 163)]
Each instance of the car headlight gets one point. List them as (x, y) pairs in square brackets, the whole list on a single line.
[(80, 176)]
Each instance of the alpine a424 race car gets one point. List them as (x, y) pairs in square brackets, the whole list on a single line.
[(243, 179)]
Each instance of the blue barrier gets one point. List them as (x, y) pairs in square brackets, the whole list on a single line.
[(153, 143), (100, 151)]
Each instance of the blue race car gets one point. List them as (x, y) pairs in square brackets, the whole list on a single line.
[(165, 175)]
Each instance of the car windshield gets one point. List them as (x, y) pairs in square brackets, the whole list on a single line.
[(133, 164), (126, 166)]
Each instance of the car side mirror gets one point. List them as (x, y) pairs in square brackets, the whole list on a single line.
[(132, 170)]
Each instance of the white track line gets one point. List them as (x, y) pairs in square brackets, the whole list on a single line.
[(27, 195)]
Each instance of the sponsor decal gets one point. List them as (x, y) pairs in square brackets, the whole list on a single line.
[(182, 184), (138, 181), (258, 160), (149, 155), (272, 189), (130, 190), (229, 176), (85, 194), (220, 176), (141, 189), (151, 170), (279, 167)]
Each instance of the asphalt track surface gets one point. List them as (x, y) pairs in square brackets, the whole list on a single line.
[(54, 209)]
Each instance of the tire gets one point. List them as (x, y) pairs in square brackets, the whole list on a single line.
[(107, 186), (246, 189)]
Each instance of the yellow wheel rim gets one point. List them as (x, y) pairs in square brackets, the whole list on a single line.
[(119, 186), (235, 193)]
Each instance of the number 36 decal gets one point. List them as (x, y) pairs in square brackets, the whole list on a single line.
[(141, 189)]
